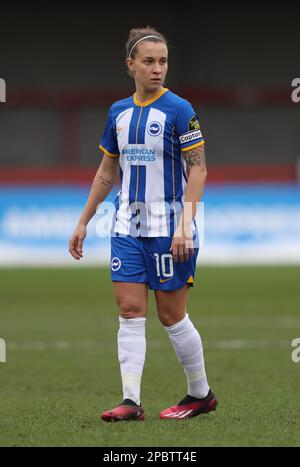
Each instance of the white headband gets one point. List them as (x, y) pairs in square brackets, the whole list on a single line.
[(142, 39)]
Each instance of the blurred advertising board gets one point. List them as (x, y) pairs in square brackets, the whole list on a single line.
[(246, 224)]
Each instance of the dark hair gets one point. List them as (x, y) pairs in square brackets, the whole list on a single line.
[(137, 34)]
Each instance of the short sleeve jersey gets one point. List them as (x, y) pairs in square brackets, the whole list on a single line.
[(150, 140)]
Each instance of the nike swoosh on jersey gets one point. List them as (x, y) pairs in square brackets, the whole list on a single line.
[(165, 280)]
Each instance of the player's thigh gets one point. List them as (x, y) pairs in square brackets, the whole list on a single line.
[(171, 305), (132, 298), (129, 276)]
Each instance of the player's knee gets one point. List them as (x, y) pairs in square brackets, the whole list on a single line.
[(129, 310), (167, 321), (166, 318), (169, 316)]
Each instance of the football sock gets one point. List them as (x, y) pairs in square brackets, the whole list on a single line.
[(131, 354), (188, 347)]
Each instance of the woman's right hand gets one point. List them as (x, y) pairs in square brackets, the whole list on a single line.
[(76, 241)]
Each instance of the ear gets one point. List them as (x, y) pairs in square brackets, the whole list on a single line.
[(130, 64)]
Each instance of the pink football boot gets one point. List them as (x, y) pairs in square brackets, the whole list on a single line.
[(191, 407), (128, 410)]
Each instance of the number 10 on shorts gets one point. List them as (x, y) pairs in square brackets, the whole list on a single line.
[(164, 265)]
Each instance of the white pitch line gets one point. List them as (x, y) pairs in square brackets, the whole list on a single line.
[(62, 345)]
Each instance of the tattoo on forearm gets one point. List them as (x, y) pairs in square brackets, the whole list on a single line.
[(105, 181), (195, 157)]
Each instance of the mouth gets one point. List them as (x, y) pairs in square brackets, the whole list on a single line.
[(155, 80)]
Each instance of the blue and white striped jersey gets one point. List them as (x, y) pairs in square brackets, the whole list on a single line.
[(150, 139)]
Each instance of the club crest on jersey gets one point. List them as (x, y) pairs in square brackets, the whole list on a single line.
[(115, 264), (154, 128)]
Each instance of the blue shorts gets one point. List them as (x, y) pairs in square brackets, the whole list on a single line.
[(148, 260)]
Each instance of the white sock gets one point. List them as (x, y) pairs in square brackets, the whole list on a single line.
[(131, 354), (188, 347)]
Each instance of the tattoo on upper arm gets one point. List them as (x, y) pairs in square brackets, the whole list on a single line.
[(195, 156)]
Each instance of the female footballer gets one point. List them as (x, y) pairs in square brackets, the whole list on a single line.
[(153, 140)]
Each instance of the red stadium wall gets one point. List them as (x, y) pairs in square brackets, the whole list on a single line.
[(80, 175), (71, 102)]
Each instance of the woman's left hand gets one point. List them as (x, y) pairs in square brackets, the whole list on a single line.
[(182, 244)]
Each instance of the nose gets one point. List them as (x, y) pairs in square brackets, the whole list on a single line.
[(157, 68)]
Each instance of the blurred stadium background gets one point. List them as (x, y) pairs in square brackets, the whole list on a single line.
[(63, 69)]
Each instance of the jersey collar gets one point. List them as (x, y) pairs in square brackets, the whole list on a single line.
[(150, 101)]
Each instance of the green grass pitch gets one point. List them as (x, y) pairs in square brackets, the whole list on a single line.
[(61, 372)]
